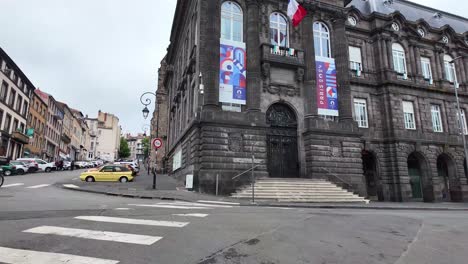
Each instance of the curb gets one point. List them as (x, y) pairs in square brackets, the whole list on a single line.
[(309, 206)]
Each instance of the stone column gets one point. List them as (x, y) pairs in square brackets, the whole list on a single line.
[(210, 31), (461, 71), (388, 48), (417, 56), (310, 91), (411, 69), (383, 46), (440, 55), (340, 51), (253, 56)]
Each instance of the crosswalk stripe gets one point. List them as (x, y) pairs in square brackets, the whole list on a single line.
[(192, 215), (96, 235), (21, 256), (132, 221), (71, 186), (12, 185), (199, 204), (217, 202), (38, 186), (169, 206)]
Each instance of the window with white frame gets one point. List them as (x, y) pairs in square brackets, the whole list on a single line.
[(463, 121), (360, 112), (322, 40), (232, 21), (355, 59), (426, 68), (436, 119), (279, 35), (399, 58), (408, 113), (450, 74)]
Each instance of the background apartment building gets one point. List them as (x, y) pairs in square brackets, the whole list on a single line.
[(65, 137), (15, 93), (135, 144), (37, 121), (93, 137), (108, 141), (53, 130)]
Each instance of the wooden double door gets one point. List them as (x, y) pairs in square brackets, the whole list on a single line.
[(282, 156)]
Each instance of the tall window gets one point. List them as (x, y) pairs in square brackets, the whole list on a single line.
[(279, 35), (1, 118), (426, 68), (408, 112), (450, 74), (436, 119), (399, 59), (19, 103), (231, 22), (322, 40), (11, 99), (355, 58), (4, 91), (7, 124), (360, 112), (463, 121)]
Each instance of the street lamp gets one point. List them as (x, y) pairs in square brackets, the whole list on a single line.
[(145, 112), (146, 102), (460, 124)]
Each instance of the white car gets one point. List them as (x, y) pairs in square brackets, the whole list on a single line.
[(42, 165), (21, 167)]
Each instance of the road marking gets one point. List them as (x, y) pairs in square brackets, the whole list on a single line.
[(192, 215), (199, 204), (12, 185), (71, 186), (217, 202), (123, 209), (132, 221), (20, 256), (75, 179), (38, 186), (96, 235), (168, 206)]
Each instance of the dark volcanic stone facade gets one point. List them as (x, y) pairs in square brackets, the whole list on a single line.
[(280, 125)]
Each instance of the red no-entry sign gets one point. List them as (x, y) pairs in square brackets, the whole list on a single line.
[(157, 143)]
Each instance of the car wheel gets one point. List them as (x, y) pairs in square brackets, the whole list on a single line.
[(20, 172), (90, 179), (48, 170), (123, 179), (7, 173)]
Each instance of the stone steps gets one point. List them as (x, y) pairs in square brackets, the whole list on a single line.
[(299, 190)]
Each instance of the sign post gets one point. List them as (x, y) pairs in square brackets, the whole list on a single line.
[(156, 143)]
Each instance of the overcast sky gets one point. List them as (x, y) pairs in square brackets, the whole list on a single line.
[(100, 54)]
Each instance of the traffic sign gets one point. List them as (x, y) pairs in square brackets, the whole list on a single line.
[(157, 143)]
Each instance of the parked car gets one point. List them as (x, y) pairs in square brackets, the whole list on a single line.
[(32, 165), (132, 163), (42, 165), (9, 169), (66, 165), (80, 164), (21, 167), (108, 173)]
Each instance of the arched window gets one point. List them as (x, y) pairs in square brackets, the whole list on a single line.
[(399, 58), (450, 74), (279, 30), (322, 40), (232, 22)]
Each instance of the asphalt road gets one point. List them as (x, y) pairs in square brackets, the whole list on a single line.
[(47, 224)]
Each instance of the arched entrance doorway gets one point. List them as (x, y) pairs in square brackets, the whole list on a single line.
[(418, 175), (450, 186), (374, 186), (282, 142)]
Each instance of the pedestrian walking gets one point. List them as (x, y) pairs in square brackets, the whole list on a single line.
[(72, 165)]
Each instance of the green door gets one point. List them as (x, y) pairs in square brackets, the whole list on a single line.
[(415, 182)]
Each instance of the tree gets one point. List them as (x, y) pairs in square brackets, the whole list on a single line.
[(146, 146), (124, 151)]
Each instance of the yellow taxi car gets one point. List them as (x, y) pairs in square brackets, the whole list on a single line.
[(108, 173)]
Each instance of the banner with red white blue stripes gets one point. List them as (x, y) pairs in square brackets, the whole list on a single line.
[(327, 92)]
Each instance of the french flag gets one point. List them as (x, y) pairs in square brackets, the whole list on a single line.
[(296, 12)]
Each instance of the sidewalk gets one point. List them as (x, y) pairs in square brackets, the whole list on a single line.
[(167, 188)]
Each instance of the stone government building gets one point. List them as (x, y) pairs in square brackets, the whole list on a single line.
[(240, 79)]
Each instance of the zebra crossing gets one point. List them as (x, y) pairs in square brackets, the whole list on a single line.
[(19, 184), (178, 220)]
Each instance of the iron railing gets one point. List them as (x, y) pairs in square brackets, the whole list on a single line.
[(333, 177)]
